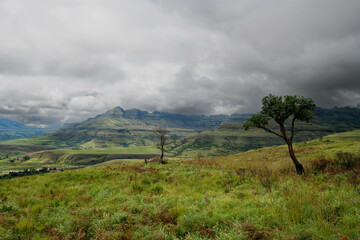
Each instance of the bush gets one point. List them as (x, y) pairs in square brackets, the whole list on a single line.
[(320, 164), (343, 160), (347, 160), (354, 180)]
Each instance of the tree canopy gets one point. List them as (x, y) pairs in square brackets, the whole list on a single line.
[(281, 108)]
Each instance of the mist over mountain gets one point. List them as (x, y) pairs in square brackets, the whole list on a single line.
[(10, 130)]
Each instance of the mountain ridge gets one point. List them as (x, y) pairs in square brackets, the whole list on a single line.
[(135, 127), (232, 138), (214, 135)]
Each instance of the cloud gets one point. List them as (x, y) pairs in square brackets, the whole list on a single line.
[(65, 61)]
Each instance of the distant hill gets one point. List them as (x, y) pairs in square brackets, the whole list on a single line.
[(232, 138), (189, 135), (119, 127), (11, 130)]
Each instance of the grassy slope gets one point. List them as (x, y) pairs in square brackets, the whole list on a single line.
[(69, 157), (207, 198)]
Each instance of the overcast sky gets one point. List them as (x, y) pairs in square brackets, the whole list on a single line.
[(68, 60)]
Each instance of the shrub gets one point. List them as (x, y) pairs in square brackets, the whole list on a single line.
[(343, 160), (354, 180), (347, 160), (320, 164)]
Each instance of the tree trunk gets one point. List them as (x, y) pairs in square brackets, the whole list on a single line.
[(162, 154), (299, 167)]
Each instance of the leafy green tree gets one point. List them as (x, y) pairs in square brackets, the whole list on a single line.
[(280, 109)]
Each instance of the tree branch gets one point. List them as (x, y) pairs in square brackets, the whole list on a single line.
[(271, 131)]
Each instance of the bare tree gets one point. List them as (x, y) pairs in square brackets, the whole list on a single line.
[(162, 133)]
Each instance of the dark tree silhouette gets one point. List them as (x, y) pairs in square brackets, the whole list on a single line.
[(280, 109), (162, 133)]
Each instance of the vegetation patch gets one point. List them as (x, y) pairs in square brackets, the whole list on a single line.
[(252, 195)]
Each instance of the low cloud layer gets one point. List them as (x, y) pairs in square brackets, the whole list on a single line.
[(65, 61)]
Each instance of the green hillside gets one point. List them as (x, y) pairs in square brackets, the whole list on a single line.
[(232, 138), (251, 195)]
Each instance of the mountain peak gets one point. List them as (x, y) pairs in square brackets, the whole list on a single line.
[(115, 112)]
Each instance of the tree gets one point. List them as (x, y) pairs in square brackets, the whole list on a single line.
[(162, 133), (280, 109)]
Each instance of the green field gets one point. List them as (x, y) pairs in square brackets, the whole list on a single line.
[(69, 157), (251, 195), (151, 149)]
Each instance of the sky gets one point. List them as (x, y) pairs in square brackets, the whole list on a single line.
[(64, 61)]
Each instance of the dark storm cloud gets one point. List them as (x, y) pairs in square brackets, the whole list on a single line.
[(64, 61)]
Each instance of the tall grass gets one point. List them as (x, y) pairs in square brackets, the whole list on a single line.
[(254, 195)]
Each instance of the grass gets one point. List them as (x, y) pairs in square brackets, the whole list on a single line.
[(38, 140), (118, 162), (70, 157), (118, 150), (252, 195)]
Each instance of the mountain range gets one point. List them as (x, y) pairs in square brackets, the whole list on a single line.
[(134, 127), (187, 134), (231, 137)]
